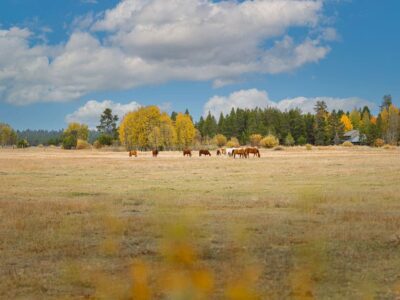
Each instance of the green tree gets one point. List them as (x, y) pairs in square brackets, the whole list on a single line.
[(289, 140), (336, 128), (8, 136), (74, 132), (210, 126), (108, 124), (386, 102), (321, 124)]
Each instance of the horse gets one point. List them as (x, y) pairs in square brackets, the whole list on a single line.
[(254, 151), (204, 152), (187, 152), (133, 153), (223, 151), (155, 153), (218, 152), (241, 152)]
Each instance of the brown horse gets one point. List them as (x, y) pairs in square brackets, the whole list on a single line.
[(155, 153), (241, 152), (204, 152), (253, 151), (223, 151), (187, 152), (218, 152), (133, 153)]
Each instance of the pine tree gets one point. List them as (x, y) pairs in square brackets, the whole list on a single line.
[(108, 124), (173, 116), (386, 102), (320, 124)]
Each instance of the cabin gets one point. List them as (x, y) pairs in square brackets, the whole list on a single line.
[(352, 136)]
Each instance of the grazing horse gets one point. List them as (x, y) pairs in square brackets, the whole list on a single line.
[(155, 153), (204, 152), (254, 151), (223, 151), (218, 152), (133, 153), (241, 152), (187, 152)]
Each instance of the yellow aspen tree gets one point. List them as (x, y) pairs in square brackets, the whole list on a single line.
[(346, 122), (185, 130)]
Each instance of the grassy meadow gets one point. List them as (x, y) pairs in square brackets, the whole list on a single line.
[(293, 224)]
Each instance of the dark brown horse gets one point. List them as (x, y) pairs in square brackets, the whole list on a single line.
[(187, 152), (253, 151), (241, 152), (155, 153), (218, 152), (133, 153), (204, 152)]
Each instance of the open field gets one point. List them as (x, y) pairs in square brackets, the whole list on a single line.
[(293, 224)]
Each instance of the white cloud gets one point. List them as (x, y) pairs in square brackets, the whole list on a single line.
[(255, 98), (153, 41), (90, 113)]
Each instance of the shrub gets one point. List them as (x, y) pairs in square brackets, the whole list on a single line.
[(308, 147), (301, 141), (105, 140), (379, 143), (289, 140), (220, 140), (255, 139), (82, 144), (347, 144), (69, 142), (22, 144), (97, 144), (270, 141), (388, 147), (279, 148), (233, 142)]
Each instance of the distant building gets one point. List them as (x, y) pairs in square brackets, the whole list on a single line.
[(353, 136)]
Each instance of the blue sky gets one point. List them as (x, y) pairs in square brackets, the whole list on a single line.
[(62, 59)]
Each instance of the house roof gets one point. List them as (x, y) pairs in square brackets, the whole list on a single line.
[(352, 133)]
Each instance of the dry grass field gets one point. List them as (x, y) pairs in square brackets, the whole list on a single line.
[(294, 224)]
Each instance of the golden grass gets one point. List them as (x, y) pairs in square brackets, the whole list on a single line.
[(293, 224)]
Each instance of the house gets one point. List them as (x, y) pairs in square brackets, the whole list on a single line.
[(353, 136)]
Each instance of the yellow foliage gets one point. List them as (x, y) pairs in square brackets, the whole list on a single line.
[(233, 142), (185, 130), (255, 139), (346, 122), (347, 144), (270, 141), (82, 144), (136, 127), (379, 143), (220, 140), (81, 131)]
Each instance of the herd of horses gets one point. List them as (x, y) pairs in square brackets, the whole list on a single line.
[(231, 152)]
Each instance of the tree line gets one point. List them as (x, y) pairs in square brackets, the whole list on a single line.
[(292, 126), (150, 128)]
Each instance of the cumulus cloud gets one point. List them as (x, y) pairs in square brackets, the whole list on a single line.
[(152, 41), (90, 112), (255, 98)]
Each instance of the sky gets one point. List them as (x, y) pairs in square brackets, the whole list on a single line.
[(67, 60)]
